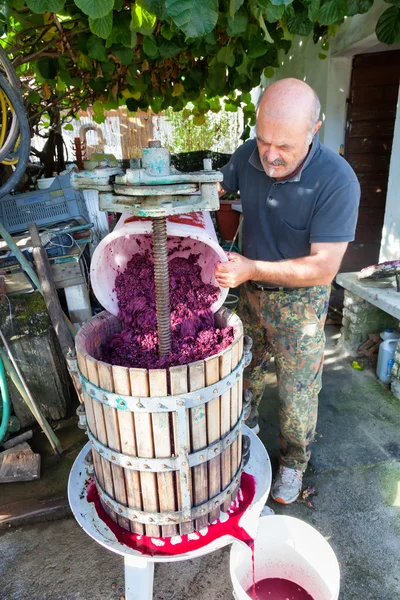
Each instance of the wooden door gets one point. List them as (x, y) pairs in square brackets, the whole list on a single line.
[(369, 134)]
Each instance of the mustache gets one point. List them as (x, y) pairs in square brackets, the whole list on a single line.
[(278, 162)]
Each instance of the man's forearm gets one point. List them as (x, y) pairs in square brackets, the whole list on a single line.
[(298, 272)]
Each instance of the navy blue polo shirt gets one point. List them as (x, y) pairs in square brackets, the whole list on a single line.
[(283, 218)]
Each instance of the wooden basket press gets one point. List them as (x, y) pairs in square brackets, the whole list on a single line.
[(167, 445)]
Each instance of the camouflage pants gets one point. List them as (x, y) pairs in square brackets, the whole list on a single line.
[(290, 327)]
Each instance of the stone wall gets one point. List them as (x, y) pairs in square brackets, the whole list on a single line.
[(395, 385), (360, 318)]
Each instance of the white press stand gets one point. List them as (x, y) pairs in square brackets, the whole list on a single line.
[(139, 568)]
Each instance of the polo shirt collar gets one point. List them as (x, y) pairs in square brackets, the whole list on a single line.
[(255, 160)]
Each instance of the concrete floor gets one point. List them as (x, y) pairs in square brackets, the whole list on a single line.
[(355, 470)]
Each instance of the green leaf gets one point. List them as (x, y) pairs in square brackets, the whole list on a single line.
[(216, 76), (166, 32), (99, 119), (18, 4), (268, 72), (96, 48), (47, 67), (226, 55), (285, 2), (256, 46), (246, 67), (118, 4), (102, 26), (234, 6), (313, 9), (143, 21), (156, 104), (238, 25), (267, 36), (157, 7), (34, 97), (95, 8), (5, 12), (300, 24), (273, 12), (169, 49), (195, 18), (40, 6), (150, 47), (108, 68), (355, 7), (83, 61), (332, 11), (69, 127), (125, 55), (120, 33), (388, 26)]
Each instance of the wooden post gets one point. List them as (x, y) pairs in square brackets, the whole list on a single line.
[(49, 291)]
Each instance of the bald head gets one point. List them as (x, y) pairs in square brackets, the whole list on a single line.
[(287, 120), (290, 99)]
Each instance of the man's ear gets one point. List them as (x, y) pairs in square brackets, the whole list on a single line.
[(317, 126)]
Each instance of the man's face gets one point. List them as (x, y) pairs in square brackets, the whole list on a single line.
[(282, 144)]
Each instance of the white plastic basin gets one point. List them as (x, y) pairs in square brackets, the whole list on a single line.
[(287, 548)]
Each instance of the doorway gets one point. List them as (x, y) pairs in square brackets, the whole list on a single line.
[(370, 124)]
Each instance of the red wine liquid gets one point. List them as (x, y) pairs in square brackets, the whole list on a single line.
[(185, 543), (277, 589)]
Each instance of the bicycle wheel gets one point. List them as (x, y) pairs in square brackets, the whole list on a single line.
[(24, 132), (7, 68)]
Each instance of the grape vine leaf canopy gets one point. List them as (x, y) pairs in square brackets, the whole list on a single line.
[(156, 54)]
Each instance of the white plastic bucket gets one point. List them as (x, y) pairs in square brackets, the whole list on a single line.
[(386, 353), (287, 548), (188, 233)]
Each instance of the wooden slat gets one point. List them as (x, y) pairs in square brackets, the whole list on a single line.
[(128, 442), (213, 434), (198, 425), (145, 448), (225, 367), (106, 382), (234, 408), (162, 447), (92, 375), (179, 385), (91, 421)]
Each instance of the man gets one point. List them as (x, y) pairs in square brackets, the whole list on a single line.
[(300, 205)]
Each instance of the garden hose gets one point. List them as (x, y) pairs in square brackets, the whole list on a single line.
[(5, 417)]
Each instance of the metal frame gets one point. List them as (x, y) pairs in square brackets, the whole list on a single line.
[(148, 404), (170, 517), (164, 465)]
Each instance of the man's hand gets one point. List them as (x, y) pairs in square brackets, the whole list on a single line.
[(238, 270)]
